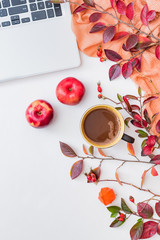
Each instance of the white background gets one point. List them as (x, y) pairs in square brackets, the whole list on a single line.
[(38, 199)]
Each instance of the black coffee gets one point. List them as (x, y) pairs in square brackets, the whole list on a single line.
[(102, 126)]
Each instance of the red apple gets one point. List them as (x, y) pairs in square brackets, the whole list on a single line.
[(70, 91), (39, 113)]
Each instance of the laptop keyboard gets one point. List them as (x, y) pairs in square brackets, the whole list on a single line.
[(13, 12)]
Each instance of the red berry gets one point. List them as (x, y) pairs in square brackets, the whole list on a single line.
[(93, 176), (100, 96), (121, 219), (89, 178), (99, 53), (102, 59), (99, 89), (131, 199), (122, 215)]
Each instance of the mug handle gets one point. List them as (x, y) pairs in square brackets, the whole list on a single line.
[(128, 138)]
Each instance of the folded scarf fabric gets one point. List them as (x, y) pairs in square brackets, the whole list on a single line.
[(149, 77)]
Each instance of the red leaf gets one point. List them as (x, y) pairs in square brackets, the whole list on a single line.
[(144, 15), (120, 35), (112, 55), (156, 159), (143, 178), (127, 104), (130, 10), (146, 116), (109, 34), (151, 141), (149, 229), (124, 47), (94, 17), (154, 172), (131, 41), (81, 8), (158, 229), (151, 15), (127, 70), (147, 150), (114, 71), (138, 66), (134, 62), (121, 7), (157, 208), (89, 3), (136, 123), (135, 107), (158, 126), (144, 210), (113, 3), (76, 169), (131, 97), (149, 99), (157, 52), (97, 27)]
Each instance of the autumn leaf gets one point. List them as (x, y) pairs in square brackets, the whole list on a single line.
[(101, 152), (156, 159), (117, 178), (149, 229), (76, 169), (131, 41), (130, 10), (121, 7), (143, 177), (94, 17), (158, 126), (157, 208), (109, 34), (151, 15), (97, 27), (144, 210), (90, 3), (84, 150), (67, 150), (114, 71), (112, 55), (136, 230), (120, 35), (144, 13), (91, 150), (127, 69), (157, 52), (154, 172), (149, 99), (80, 8), (130, 149)]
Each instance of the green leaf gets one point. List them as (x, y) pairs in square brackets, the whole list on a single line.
[(127, 120), (124, 207), (142, 134), (118, 108), (113, 215), (136, 230), (114, 209), (140, 91), (120, 98), (91, 150), (116, 223), (143, 143)]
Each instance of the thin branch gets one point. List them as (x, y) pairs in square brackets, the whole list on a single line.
[(130, 184)]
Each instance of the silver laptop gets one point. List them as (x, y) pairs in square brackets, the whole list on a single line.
[(35, 38)]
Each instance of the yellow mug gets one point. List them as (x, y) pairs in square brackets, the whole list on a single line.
[(120, 124)]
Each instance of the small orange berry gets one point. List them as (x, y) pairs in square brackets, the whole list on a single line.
[(102, 59)]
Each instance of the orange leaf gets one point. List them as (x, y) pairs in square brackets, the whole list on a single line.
[(154, 172), (84, 150), (143, 177), (101, 152), (117, 178), (130, 149)]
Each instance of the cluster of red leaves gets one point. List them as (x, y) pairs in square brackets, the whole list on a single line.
[(140, 230), (135, 43)]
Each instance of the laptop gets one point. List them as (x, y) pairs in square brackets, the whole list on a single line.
[(35, 38)]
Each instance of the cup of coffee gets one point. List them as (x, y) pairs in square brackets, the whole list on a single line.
[(103, 126)]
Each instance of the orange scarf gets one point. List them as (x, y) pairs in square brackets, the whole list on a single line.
[(149, 77)]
